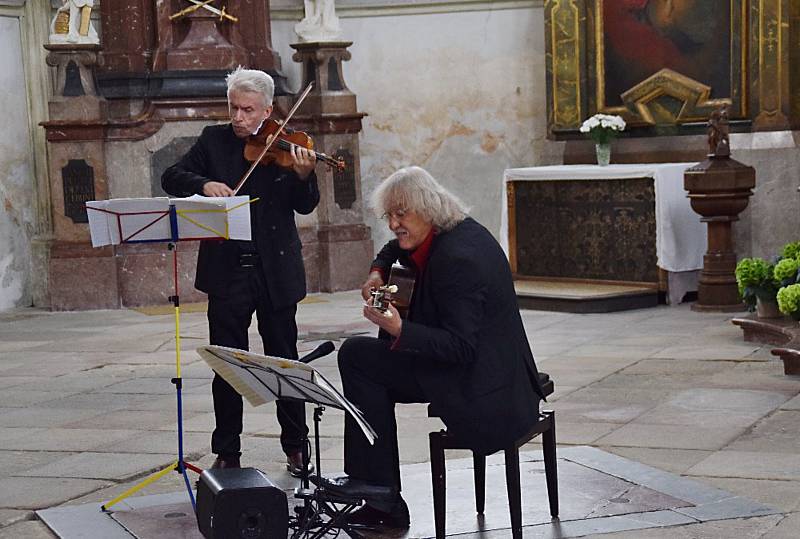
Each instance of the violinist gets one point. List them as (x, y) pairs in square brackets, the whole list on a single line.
[(263, 276)]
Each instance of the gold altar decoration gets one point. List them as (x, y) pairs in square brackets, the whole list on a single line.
[(664, 66)]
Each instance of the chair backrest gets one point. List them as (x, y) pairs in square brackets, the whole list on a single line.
[(546, 383)]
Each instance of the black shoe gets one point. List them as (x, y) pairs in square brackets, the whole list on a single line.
[(294, 464), (348, 487), (370, 517), (222, 463)]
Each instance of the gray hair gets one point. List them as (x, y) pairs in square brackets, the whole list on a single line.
[(251, 80), (413, 188)]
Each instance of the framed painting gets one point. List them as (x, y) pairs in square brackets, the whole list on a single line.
[(657, 63)]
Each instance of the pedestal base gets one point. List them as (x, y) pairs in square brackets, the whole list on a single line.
[(345, 253), (82, 277), (704, 308)]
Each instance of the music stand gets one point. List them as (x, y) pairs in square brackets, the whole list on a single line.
[(260, 379), (169, 220)]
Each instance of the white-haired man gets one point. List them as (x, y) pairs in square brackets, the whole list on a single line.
[(462, 346), (265, 275)]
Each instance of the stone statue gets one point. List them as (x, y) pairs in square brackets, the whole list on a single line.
[(718, 133), (72, 23), (320, 22)]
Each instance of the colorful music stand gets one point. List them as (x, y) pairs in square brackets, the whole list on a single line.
[(169, 220)]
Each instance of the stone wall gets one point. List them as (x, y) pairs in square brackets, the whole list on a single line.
[(460, 93)]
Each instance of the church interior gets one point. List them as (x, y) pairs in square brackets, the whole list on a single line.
[(490, 96)]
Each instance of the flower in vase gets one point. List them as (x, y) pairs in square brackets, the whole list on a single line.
[(602, 128)]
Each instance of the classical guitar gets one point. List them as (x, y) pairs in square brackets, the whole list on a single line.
[(398, 291)]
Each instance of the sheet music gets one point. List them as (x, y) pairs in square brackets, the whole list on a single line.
[(121, 220), (202, 217), (261, 379), (99, 223), (128, 219)]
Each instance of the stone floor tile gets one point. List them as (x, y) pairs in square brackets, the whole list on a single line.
[(117, 466), (59, 439), (15, 381), (158, 442), (26, 530), (671, 460), (11, 516), (573, 433), (670, 436), (792, 404), (19, 398), (751, 528), (39, 492), (748, 464), (45, 417), (788, 528), (777, 433), (783, 495), (131, 419), (702, 351), (15, 462)]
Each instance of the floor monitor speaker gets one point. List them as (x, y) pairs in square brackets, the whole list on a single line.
[(241, 503)]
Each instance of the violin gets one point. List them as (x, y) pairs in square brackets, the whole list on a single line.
[(280, 151)]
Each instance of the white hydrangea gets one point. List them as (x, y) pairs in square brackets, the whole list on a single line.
[(607, 121), (602, 126)]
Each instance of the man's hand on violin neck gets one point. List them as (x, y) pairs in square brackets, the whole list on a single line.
[(216, 189), (303, 160)]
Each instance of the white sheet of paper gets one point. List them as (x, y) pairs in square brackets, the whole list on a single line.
[(147, 219), (98, 223), (128, 219), (261, 379), (203, 217)]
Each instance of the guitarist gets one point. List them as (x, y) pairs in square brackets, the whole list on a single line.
[(462, 346)]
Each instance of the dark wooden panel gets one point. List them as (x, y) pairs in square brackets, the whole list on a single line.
[(586, 229)]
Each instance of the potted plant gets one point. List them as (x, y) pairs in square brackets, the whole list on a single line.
[(602, 129), (789, 300), (757, 285)]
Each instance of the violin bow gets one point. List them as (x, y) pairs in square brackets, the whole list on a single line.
[(274, 137)]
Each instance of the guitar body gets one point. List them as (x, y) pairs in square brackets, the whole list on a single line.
[(404, 279)]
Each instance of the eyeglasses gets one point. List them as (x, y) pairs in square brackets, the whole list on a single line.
[(397, 215)]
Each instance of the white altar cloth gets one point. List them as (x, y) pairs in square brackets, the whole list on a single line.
[(681, 239)]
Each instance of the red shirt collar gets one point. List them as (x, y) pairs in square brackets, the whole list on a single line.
[(421, 253)]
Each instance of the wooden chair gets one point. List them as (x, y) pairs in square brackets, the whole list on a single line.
[(546, 426)]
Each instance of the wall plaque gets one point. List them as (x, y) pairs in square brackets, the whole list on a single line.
[(344, 181), (78, 178)]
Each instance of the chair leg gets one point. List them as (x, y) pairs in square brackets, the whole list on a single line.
[(550, 466), (514, 496), (479, 471), (438, 478)]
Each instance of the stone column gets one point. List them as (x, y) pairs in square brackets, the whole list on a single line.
[(80, 276), (344, 247)]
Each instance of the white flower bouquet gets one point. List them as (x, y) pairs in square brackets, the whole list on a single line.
[(602, 128)]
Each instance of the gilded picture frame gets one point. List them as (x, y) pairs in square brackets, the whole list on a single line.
[(661, 65)]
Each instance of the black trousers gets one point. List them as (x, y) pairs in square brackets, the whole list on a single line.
[(229, 318), (374, 379)]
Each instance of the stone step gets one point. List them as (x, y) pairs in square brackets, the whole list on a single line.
[(583, 296)]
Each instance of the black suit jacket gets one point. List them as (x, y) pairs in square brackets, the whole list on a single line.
[(475, 364), (218, 155)]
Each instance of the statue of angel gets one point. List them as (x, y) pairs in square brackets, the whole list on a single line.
[(320, 22), (72, 23)]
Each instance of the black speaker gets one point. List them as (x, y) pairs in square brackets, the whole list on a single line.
[(241, 503)]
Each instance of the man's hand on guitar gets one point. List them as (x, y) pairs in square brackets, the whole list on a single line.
[(373, 281), (388, 320)]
